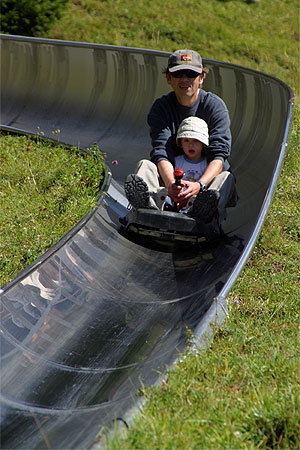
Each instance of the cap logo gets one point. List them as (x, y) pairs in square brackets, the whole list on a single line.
[(187, 58)]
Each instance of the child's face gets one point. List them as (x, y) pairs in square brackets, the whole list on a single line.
[(192, 148)]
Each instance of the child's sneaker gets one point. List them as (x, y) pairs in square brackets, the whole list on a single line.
[(205, 205), (136, 191)]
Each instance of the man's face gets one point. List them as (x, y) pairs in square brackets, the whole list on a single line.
[(185, 88)]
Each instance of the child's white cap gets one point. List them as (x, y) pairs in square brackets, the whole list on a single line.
[(195, 128)]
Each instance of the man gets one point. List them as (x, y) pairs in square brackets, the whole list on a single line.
[(185, 74)]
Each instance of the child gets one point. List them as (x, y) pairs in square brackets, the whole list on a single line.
[(192, 136)]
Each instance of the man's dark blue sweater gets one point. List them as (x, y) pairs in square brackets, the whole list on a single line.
[(166, 114)]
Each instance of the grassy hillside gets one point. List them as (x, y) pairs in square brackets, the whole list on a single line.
[(243, 392)]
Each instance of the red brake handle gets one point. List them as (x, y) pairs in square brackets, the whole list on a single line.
[(178, 174)]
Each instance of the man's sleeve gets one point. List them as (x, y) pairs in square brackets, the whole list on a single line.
[(217, 118), (160, 133)]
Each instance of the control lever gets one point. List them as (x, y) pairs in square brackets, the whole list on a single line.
[(178, 174)]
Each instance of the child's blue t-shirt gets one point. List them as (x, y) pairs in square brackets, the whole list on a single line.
[(193, 170)]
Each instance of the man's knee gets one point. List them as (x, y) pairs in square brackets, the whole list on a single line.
[(221, 179), (145, 164), (229, 189), (225, 184), (147, 170)]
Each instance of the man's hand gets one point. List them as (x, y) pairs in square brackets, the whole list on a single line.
[(181, 194)]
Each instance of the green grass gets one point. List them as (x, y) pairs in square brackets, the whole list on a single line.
[(243, 392), (50, 187)]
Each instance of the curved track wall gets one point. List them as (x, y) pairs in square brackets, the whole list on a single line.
[(98, 314)]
